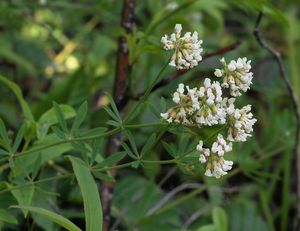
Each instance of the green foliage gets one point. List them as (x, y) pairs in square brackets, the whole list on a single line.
[(57, 74), (51, 216), (90, 194)]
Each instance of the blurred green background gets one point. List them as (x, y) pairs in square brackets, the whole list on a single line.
[(65, 51)]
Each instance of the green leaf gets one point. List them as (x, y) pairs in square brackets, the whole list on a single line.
[(4, 136), (111, 113), (220, 218), (58, 132), (103, 177), (209, 228), (17, 91), (6, 217), (54, 217), (60, 117), (36, 166), (23, 195), (128, 151), (132, 142), (18, 139), (94, 131), (113, 123), (49, 118), (114, 107), (149, 144), (112, 159), (9, 54), (90, 194), (81, 114)]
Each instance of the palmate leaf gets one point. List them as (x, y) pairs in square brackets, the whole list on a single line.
[(49, 118), (54, 217), (90, 194)]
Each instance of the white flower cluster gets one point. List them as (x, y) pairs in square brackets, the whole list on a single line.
[(187, 48), (199, 107), (240, 123), (236, 75), (216, 166), (205, 106)]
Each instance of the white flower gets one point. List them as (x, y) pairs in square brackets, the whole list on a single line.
[(203, 106), (171, 6), (236, 75), (240, 123), (216, 165), (187, 48), (218, 72), (211, 111)]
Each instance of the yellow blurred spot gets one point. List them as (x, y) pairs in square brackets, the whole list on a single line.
[(72, 63), (102, 101)]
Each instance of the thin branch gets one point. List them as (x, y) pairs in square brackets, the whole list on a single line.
[(171, 194), (194, 217), (119, 94), (283, 74)]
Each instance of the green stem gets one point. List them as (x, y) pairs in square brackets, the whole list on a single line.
[(147, 93), (144, 125)]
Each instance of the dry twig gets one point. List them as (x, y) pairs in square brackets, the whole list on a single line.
[(119, 93), (277, 56)]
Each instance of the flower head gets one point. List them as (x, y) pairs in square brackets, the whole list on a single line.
[(216, 165), (240, 123), (187, 48), (236, 75), (198, 107)]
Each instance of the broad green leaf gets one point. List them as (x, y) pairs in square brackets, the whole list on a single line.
[(81, 114), (17, 91), (23, 195), (54, 217), (60, 117), (209, 228), (29, 160), (90, 194), (49, 118), (220, 218), (6, 217)]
